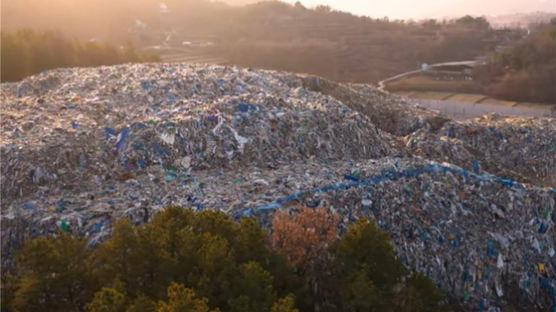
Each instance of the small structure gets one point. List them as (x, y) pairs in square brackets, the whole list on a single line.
[(465, 67)]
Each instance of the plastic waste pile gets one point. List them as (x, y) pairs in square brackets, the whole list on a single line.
[(390, 113), (487, 234), (521, 148), (79, 127), (82, 148), (477, 235)]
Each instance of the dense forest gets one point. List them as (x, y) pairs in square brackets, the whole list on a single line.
[(27, 52), (200, 262), (526, 70)]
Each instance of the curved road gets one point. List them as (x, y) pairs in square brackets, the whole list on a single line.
[(382, 83), (464, 110)]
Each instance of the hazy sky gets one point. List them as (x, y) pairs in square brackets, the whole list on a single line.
[(434, 8)]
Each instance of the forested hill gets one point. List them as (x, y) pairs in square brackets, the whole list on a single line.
[(526, 70), (273, 35), (27, 52)]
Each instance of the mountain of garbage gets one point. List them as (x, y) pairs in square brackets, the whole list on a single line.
[(471, 204)]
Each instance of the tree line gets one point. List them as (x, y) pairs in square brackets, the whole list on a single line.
[(200, 262), (347, 48), (26, 52), (525, 70)]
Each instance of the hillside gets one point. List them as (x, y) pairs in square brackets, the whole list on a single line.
[(526, 69), (83, 147), (271, 35)]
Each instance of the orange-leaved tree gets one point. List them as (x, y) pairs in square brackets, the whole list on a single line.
[(305, 235), (305, 238)]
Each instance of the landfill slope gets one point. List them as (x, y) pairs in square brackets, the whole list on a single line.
[(81, 148), (523, 149), (76, 127), (390, 113)]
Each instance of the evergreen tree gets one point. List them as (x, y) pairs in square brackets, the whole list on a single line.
[(286, 304), (55, 275), (190, 261), (181, 299), (107, 300)]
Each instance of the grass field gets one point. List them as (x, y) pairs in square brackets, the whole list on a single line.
[(478, 99), (499, 102), (425, 87), (466, 97), (425, 83)]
